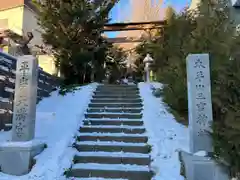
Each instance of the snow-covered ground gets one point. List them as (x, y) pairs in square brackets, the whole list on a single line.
[(58, 120), (165, 135)]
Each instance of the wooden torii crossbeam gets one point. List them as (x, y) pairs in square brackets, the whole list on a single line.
[(133, 26), (124, 40), (130, 27)]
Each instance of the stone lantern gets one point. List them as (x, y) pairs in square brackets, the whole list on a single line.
[(147, 61)]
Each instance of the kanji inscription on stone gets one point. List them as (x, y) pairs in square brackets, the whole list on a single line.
[(199, 102), (24, 111)]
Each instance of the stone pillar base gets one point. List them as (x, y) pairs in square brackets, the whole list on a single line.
[(16, 158), (202, 168)]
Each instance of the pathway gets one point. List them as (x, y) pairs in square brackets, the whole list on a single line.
[(111, 143)]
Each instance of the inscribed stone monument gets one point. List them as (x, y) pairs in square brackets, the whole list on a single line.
[(199, 102), (25, 99), (200, 120), (16, 156)]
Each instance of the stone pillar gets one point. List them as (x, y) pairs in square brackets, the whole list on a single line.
[(198, 164), (199, 102), (16, 156), (24, 113), (147, 74)]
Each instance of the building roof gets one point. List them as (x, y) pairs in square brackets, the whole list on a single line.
[(7, 4)]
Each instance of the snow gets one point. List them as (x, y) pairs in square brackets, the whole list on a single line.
[(26, 145), (113, 103), (110, 134), (112, 113), (108, 119), (57, 121), (110, 143), (112, 154), (112, 126), (120, 167), (166, 136), (115, 108), (96, 178), (201, 153)]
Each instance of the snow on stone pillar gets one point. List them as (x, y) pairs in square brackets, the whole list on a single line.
[(147, 61)]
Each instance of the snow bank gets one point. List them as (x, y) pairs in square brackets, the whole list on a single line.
[(165, 135), (58, 120)]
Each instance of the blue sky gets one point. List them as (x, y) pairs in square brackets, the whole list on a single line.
[(122, 10)]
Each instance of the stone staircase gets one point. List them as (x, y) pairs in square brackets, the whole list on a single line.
[(111, 144)]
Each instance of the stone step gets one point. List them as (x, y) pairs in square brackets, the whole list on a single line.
[(130, 172), (112, 146), (97, 178), (118, 122), (106, 105), (116, 96), (115, 110), (112, 158), (98, 100), (117, 137), (114, 115), (113, 129), (119, 86), (117, 89), (112, 92)]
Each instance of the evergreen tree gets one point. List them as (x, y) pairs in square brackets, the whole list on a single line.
[(169, 13), (115, 64), (208, 29), (73, 29)]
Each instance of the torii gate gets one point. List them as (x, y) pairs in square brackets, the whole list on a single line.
[(145, 26)]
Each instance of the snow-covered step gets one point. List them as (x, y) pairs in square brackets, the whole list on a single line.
[(119, 93), (118, 100), (113, 126), (135, 89), (130, 172), (116, 96), (117, 89), (97, 178), (100, 95), (112, 158), (124, 92), (114, 129), (110, 134), (108, 119), (109, 111), (112, 146), (113, 122), (113, 115), (114, 110), (113, 154), (118, 85), (119, 137), (129, 105), (128, 87)]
